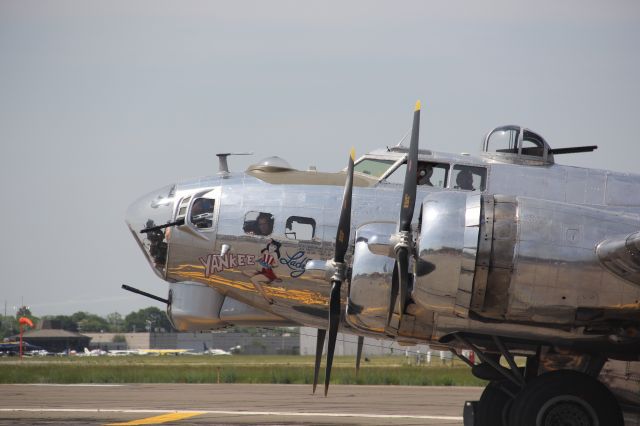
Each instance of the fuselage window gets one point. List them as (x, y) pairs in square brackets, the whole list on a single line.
[(469, 178), (432, 174), (202, 213), (300, 228), (429, 174), (258, 223), (373, 167)]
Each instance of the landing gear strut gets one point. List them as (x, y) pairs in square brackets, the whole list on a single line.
[(515, 397)]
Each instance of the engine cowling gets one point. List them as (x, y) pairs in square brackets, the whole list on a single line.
[(370, 285), (448, 242)]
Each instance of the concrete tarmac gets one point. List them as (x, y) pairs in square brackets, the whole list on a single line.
[(232, 404)]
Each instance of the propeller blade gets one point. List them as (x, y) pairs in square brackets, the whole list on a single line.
[(393, 297), (344, 225), (359, 353), (402, 257), (342, 244), (334, 321), (411, 175), (319, 345), (404, 224)]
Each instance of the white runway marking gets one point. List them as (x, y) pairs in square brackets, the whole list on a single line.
[(233, 413), (75, 385)]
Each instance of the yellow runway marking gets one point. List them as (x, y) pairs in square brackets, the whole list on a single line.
[(156, 420)]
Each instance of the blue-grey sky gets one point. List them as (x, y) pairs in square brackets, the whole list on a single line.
[(101, 102)]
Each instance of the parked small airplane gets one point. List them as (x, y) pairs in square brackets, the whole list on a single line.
[(93, 352), (122, 352), (213, 351), (505, 254)]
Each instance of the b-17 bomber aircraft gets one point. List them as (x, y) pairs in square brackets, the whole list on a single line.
[(506, 254)]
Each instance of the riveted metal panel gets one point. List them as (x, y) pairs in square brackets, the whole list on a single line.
[(502, 257), (483, 257), (448, 241)]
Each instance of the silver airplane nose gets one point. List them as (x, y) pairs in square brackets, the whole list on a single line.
[(152, 210)]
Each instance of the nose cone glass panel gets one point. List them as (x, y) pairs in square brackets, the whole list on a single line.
[(154, 209)]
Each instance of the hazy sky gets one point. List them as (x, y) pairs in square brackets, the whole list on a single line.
[(101, 102)]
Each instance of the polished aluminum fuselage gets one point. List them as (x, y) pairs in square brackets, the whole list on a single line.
[(534, 273)]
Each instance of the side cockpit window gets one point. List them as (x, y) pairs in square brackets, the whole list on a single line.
[(429, 174), (258, 223), (432, 174), (469, 178), (202, 213), (300, 228)]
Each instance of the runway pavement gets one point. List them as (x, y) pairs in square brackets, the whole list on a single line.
[(232, 404)]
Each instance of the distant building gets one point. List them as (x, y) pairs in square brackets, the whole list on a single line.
[(55, 340), (263, 342)]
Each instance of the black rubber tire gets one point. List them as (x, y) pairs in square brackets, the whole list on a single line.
[(567, 398), (494, 404)]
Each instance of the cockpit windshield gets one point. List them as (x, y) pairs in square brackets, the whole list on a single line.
[(373, 167), (153, 210)]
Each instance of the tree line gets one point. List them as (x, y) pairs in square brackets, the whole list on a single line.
[(147, 319)]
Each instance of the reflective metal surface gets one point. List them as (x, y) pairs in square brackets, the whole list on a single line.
[(370, 287), (556, 271), (194, 307), (198, 307), (241, 314), (520, 260), (448, 241), (622, 256)]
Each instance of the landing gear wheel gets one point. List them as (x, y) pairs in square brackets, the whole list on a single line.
[(565, 398), (493, 407)]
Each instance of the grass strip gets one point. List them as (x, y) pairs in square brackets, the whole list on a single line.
[(192, 373)]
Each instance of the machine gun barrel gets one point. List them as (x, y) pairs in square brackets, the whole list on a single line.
[(574, 149), (166, 225), (144, 293)]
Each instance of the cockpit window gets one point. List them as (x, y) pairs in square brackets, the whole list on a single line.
[(258, 223), (432, 174), (202, 213), (429, 174), (300, 228), (469, 178), (373, 167)]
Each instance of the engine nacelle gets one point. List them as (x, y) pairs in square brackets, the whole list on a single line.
[(519, 259), (502, 258), (197, 307)]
